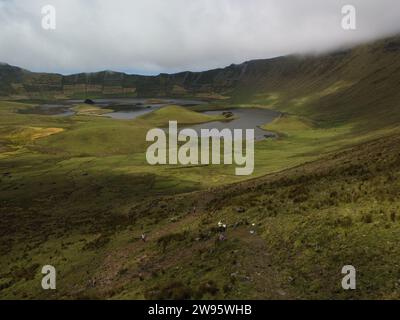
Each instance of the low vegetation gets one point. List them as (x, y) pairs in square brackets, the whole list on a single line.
[(76, 192)]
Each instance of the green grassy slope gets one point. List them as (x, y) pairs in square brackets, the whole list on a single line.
[(76, 192), (358, 86), (324, 80), (309, 221)]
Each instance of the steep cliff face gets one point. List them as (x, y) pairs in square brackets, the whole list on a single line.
[(19, 84)]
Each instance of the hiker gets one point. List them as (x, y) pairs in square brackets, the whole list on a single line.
[(221, 237), (221, 227), (252, 231)]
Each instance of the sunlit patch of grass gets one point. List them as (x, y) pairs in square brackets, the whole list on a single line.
[(180, 114), (24, 134), (289, 125), (91, 110), (270, 99)]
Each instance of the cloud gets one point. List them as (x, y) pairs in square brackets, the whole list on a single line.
[(152, 36)]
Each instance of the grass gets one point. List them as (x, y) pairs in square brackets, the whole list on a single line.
[(180, 114), (76, 192), (309, 222), (290, 125), (88, 188), (84, 109)]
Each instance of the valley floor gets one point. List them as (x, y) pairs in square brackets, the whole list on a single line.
[(76, 193)]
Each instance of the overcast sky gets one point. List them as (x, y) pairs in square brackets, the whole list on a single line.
[(153, 36)]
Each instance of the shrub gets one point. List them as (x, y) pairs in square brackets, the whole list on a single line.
[(366, 218), (207, 287), (97, 243), (172, 291), (344, 221), (170, 238)]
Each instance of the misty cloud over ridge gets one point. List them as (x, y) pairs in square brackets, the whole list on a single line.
[(153, 36)]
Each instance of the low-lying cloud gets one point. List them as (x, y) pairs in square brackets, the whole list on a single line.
[(152, 36)]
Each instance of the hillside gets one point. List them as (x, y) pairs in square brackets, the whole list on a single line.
[(288, 234), (339, 85), (76, 192)]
